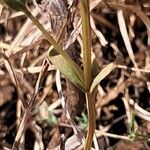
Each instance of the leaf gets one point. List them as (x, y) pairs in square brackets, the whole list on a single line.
[(101, 75), (60, 58), (95, 68), (83, 121), (68, 68), (17, 5)]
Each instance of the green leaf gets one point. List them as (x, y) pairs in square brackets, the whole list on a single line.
[(101, 75), (68, 68), (60, 58), (95, 69), (83, 121), (133, 127), (17, 5)]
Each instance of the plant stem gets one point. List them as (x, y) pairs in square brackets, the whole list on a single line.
[(90, 97), (45, 33), (90, 100), (85, 13)]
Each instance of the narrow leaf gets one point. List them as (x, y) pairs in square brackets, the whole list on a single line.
[(17, 5), (95, 68), (68, 68), (101, 75)]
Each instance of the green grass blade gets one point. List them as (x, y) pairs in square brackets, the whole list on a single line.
[(73, 73), (102, 74), (17, 5)]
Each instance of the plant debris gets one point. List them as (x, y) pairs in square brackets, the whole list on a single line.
[(41, 109)]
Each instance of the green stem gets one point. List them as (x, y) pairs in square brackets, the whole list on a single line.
[(45, 33), (90, 98), (85, 13)]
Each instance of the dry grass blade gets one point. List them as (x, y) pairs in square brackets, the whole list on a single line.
[(30, 108), (137, 11), (58, 114), (77, 29), (17, 41), (60, 93), (99, 133), (102, 21), (42, 73), (14, 78), (36, 69), (17, 14), (140, 112), (94, 3), (128, 109), (38, 134), (18, 50), (54, 105), (133, 69), (21, 130), (33, 103), (1, 8), (100, 36), (125, 37), (46, 89), (96, 143)]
